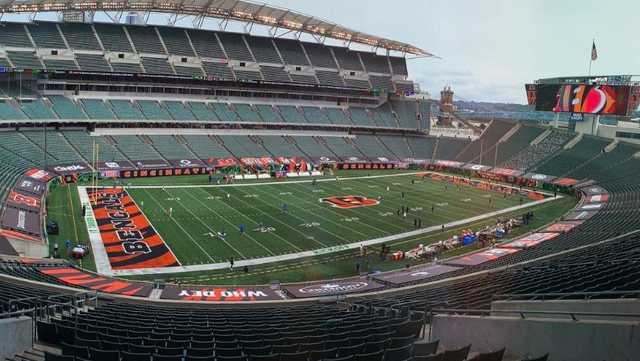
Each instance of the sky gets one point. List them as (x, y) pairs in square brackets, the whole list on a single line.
[(489, 49)]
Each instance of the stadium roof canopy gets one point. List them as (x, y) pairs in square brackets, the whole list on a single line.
[(244, 11)]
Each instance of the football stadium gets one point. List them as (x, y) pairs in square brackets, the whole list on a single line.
[(189, 193)]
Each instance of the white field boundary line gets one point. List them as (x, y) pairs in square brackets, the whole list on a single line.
[(333, 179), (103, 266), (327, 250)]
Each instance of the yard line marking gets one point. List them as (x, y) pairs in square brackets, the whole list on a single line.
[(179, 226), (209, 228), (317, 205), (295, 229), (328, 250), (319, 216), (381, 205), (444, 214), (219, 215), (73, 213)]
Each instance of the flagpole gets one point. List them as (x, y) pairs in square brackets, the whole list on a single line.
[(593, 41)]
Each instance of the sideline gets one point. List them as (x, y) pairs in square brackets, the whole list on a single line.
[(319, 180)]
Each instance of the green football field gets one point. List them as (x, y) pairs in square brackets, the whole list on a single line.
[(201, 223)]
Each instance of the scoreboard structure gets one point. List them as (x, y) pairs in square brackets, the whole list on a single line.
[(611, 95), (586, 98)]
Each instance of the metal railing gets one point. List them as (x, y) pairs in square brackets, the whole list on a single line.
[(523, 313), (565, 295), (45, 308)]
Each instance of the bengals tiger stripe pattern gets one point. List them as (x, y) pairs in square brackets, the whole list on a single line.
[(74, 277), (129, 239)]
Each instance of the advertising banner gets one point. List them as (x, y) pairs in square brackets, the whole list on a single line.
[(366, 166), (66, 169), (151, 164), (415, 274), (324, 160), (187, 163), (565, 182), (31, 186), (529, 240), (39, 174), (448, 163), (334, 288), (580, 215), (22, 220), (476, 167), (543, 178), (593, 190), (74, 277), (115, 165), (475, 259), (507, 172), (562, 227), (225, 294), (23, 201)]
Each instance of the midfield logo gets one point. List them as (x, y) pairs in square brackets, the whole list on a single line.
[(348, 202)]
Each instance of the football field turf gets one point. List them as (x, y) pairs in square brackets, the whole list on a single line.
[(201, 223)]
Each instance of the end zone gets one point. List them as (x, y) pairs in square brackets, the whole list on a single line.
[(121, 236)]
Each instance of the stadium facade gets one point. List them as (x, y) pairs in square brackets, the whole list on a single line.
[(132, 101)]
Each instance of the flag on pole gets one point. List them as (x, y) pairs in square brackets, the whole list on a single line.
[(594, 51)]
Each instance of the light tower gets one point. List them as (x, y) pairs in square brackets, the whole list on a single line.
[(446, 107)]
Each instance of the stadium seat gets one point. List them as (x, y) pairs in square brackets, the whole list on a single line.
[(227, 351), (336, 343), (257, 350), (142, 348), (53, 357), (489, 356), (231, 358), (425, 348), (314, 346), (198, 358), (46, 332), (285, 347), (457, 354), (350, 350), (398, 353), (294, 356), (104, 355), (75, 351), (434, 357), (402, 341), (376, 345), (316, 355), (135, 356), (175, 351), (344, 358), (268, 357), (371, 356), (157, 357), (541, 358)]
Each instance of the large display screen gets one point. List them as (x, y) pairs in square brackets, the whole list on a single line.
[(581, 98)]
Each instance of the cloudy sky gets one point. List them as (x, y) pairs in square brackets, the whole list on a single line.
[(490, 48)]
